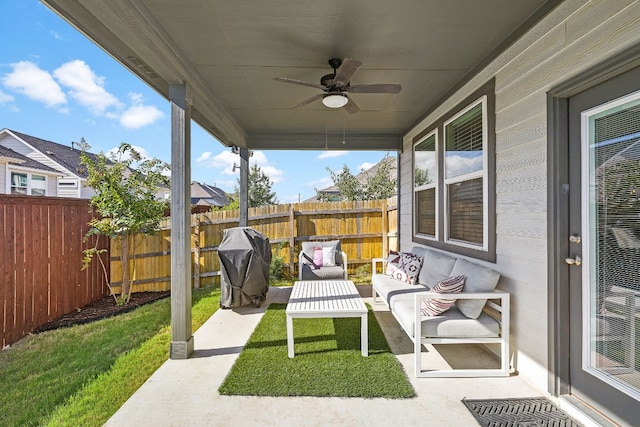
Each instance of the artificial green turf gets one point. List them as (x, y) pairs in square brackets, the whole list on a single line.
[(328, 361)]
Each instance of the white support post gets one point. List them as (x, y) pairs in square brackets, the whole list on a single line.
[(181, 345), (244, 187)]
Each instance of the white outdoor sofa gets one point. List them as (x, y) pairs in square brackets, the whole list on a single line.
[(480, 314)]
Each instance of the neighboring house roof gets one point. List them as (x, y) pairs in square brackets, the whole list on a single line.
[(362, 177), (67, 157), (203, 194), (24, 161)]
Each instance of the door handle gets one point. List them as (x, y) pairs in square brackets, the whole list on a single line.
[(576, 260)]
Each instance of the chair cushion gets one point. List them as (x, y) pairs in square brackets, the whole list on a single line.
[(317, 257), (308, 247), (329, 256), (450, 324), (478, 279), (310, 272)]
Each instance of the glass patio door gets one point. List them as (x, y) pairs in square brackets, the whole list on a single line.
[(604, 249)]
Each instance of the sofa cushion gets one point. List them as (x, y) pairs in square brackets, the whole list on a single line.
[(308, 247), (436, 266), (478, 279), (393, 262), (409, 268), (450, 324), (436, 306), (388, 287)]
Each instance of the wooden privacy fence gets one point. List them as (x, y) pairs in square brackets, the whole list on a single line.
[(366, 229), (41, 253)]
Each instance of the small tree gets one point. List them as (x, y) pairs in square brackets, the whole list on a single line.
[(125, 199), (381, 185), (259, 190), (348, 185), (377, 186)]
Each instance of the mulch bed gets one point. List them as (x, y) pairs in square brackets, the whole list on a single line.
[(101, 309)]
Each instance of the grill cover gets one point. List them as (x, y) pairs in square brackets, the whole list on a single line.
[(245, 255)]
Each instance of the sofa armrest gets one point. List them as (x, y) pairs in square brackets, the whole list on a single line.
[(503, 307), (344, 265), (375, 262)]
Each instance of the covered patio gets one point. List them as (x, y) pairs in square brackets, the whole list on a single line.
[(254, 74), (216, 62), (184, 392)]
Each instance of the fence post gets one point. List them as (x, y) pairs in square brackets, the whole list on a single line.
[(196, 251), (292, 240), (385, 238)]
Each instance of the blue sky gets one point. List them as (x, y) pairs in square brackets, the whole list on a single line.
[(57, 85)]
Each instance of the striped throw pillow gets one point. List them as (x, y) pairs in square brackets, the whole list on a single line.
[(435, 306)]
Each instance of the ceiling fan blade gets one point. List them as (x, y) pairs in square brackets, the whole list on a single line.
[(351, 107), (346, 71), (299, 82), (308, 101), (379, 88)]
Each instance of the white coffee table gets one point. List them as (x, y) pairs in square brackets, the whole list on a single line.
[(326, 299)]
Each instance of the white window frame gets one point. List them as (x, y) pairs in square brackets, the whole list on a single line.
[(433, 184), (483, 249), (482, 173), (29, 175)]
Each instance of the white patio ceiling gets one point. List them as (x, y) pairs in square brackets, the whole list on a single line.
[(228, 52)]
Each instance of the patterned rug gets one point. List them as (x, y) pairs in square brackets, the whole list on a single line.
[(535, 411)]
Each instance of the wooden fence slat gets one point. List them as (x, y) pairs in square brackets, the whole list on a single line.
[(41, 246), (20, 267), (361, 226), (4, 273)]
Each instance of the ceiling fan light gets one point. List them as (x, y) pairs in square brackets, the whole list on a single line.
[(335, 100)]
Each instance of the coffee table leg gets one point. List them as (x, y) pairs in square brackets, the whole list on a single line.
[(290, 336), (364, 335)]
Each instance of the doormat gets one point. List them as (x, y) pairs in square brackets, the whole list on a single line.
[(533, 411)]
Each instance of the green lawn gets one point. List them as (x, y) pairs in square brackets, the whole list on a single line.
[(80, 376)]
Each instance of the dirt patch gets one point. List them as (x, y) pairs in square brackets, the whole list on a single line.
[(101, 309)]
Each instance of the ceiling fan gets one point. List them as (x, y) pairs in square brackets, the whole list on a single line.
[(336, 85)]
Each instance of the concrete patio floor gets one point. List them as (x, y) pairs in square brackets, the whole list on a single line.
[(184, 392)]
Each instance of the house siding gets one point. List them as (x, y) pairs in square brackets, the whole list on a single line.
[(20, 147), (3, 178), (569, 41)]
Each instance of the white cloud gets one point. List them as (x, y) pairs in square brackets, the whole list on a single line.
[(459, 165), (259, 158), (365, 166), (321, 183), (138, 116), (85, 86), (5, 98), (222, 162), (225, 160), (55, 35), (331, 154), (203, 157), (37, 84)]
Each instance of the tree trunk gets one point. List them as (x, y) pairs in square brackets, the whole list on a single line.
[(125, 294)]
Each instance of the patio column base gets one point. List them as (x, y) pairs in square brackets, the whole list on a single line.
[(181, 349)]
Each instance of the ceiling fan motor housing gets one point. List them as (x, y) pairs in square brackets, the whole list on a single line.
[(327, 81)]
